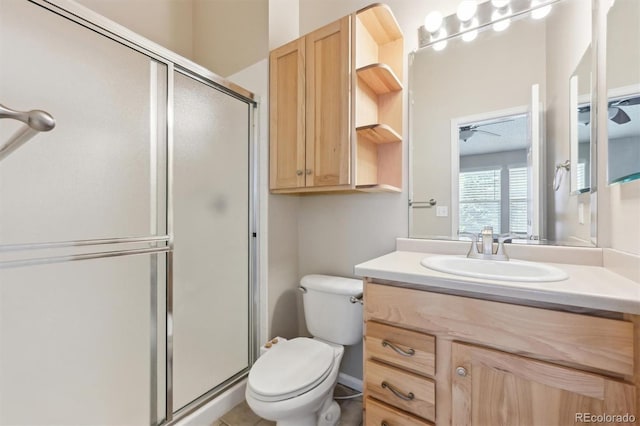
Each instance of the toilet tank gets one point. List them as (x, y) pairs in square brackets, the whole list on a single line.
[(329, 313)]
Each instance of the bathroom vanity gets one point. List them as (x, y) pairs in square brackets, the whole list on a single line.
[(444, 349)]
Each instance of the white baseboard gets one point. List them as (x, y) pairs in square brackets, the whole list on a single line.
[(350, 381), (215, 409)]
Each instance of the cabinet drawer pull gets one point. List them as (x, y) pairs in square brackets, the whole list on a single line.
[(407, 397), (408, 352)]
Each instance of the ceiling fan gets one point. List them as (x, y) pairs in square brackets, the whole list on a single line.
[(467, 132), (615, 112)]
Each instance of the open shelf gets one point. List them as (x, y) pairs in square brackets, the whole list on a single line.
[(379, 133), (378, 188), (380, 78), (380, 22)]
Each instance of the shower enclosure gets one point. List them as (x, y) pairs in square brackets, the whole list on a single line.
[(127, 232)]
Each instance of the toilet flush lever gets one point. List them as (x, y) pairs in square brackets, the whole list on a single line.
[(356, 299), (302, 289)]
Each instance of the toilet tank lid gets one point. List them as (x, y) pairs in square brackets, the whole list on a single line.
[(331, 284)]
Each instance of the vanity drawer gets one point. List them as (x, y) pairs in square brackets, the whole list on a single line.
[(410, 392), (379, 414), (401, 347)]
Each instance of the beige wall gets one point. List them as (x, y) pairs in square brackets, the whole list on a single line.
[(568, 37), (224, 36), (166, 22), (230, 35)]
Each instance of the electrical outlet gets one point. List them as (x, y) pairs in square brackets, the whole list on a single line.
[(442, 211)]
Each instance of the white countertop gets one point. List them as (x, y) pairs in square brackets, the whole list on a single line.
[(591, 287)]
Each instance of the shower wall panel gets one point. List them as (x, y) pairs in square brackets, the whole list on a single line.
[(70, 183), (75, 342)]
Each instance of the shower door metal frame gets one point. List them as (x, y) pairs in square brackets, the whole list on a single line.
[(175, 63)]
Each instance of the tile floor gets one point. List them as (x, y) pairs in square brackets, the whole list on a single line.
[(241, 414)]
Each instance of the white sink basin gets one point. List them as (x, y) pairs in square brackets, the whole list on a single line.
[(510, 270)]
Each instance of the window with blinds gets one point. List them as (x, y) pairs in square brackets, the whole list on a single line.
[(518, 200), (484, 200), (479, 200)]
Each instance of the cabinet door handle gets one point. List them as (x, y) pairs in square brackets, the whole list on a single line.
[(384, 423), (309, 171), (408, 397), (408, 352), (299, 172), (461, 371)]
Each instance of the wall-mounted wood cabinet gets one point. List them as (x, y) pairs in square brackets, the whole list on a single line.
[(335, 105)]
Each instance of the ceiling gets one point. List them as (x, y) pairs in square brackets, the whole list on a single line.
[(513, 134)]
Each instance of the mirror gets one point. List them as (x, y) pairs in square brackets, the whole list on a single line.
[(580, 116), (623, 91), (489, 127)]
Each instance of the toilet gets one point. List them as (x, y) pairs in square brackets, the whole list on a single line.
[(292, 383)]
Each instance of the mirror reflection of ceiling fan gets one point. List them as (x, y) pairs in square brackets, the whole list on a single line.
[(615, 112), (467, 131)]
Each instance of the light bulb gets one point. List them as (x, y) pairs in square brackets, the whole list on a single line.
[(540, 12), (433, 21), (466, 10), (469, 35), (501, 25), (499, 4)]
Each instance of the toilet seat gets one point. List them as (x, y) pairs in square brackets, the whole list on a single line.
[(290, 369)]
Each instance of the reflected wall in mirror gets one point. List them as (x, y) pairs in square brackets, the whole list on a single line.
[(623, 91), (489, 123), (580, 119)]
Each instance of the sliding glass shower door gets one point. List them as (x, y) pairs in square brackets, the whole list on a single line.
[(211, 222), (125, 232)]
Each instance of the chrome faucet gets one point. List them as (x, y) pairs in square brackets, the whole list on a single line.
[(487, 245)]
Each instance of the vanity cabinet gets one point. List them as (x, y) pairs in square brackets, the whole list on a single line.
[(335, 106), (490, 362)]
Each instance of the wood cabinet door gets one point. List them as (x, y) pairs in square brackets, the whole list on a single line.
[(287, 115), (494, 388), (328, 160)]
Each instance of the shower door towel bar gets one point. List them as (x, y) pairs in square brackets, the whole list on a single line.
[(35, 121)]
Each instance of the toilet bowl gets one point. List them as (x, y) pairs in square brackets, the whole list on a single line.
[(292, 383)]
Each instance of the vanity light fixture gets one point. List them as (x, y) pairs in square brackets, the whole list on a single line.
[(473, 16)]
